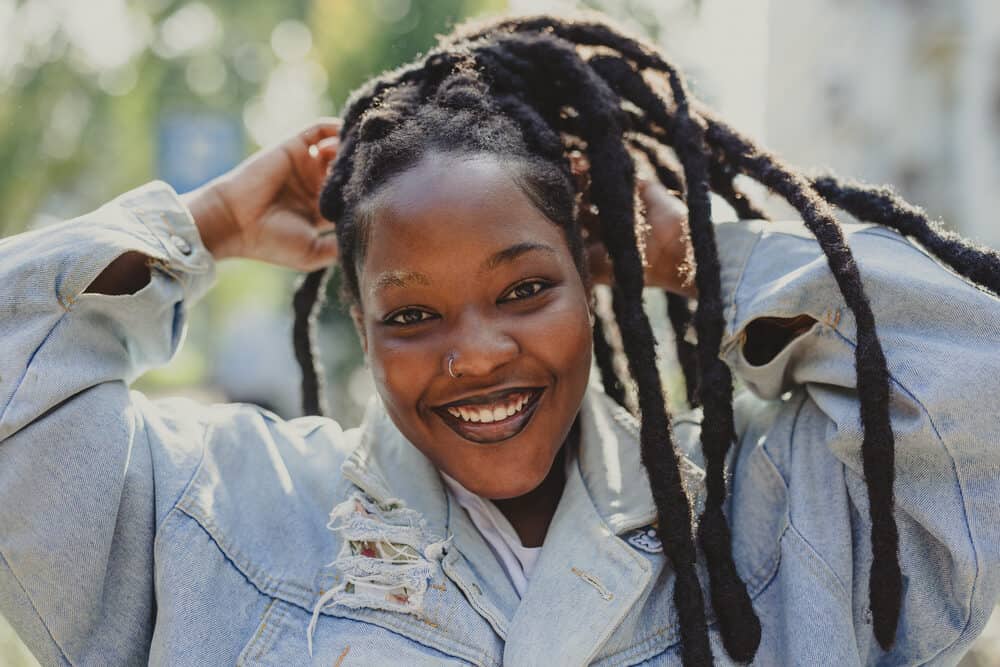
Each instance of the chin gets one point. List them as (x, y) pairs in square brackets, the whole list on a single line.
[(524, 482)]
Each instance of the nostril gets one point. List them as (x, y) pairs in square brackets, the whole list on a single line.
[(479, 354)]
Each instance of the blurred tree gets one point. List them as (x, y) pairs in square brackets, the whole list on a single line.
[(84, 86)]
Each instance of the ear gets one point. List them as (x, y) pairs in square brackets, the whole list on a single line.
[(359, 326)]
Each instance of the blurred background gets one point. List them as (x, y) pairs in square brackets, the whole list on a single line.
[(98, 97)]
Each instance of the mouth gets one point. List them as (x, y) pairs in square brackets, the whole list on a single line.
[(491, 417)]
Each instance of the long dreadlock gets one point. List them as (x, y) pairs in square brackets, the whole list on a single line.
[(523, 90)]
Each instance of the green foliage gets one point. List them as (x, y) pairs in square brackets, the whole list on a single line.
[(78, 126)]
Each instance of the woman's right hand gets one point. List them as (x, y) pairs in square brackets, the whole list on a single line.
[(267, 208)]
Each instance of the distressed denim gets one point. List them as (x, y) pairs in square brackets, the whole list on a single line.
[(173, 533)]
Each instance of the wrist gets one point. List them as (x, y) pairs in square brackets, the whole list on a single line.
[(214, 220)]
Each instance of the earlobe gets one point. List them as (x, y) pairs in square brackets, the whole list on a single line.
[(359, 326)]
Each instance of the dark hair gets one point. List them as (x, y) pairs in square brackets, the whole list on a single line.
[(524, 90)]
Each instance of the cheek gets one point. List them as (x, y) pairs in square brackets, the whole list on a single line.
[(561, 338), (401, 369)]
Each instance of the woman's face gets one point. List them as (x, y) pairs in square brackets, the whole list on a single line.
[(460, 263)]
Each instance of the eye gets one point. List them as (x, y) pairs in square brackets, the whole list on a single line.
[(408, 316), (526, 289)]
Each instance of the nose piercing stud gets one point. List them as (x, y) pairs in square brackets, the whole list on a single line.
[(451, 372)]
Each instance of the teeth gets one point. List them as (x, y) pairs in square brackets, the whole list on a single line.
[(489, 414)]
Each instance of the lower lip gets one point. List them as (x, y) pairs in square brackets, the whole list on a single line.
[(492, 432)]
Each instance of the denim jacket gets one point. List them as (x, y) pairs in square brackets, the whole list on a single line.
[(174, 533)]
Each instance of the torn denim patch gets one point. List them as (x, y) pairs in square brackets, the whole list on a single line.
[(386, 560)]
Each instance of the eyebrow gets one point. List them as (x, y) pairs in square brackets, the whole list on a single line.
[(402, 279), (399, 279), (508, 255)]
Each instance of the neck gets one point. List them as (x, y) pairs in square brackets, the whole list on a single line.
[(531, 514)]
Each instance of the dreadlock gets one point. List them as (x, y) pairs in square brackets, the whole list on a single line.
[(529, 90)]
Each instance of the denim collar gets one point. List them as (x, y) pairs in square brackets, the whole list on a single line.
[(387, 466), (583, 564)]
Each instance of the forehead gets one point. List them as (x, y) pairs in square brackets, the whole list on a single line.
[(447, 213)]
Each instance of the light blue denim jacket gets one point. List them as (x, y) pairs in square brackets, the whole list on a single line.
[(182, 534)]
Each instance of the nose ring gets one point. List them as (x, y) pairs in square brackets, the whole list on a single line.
[(451, 372)]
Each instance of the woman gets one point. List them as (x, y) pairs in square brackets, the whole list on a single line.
[(844, 507)]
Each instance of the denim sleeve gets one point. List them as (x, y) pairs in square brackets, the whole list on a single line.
[(941, 337), (78, 503)]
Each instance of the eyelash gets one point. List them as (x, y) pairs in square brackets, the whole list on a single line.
[(391, 319), (542, 286)]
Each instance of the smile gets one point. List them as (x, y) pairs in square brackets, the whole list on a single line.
[(493, 417)]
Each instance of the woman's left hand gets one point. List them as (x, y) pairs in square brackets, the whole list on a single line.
[(668, 255)]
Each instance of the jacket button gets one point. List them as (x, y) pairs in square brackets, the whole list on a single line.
[(181, 244)]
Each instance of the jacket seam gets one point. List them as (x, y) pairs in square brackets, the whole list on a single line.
[(27, 367), (232, 561), (961, 490), (271, 589), (256, 637), (269, 585), (791, 523), (197, 469), (34, 609), (737, 284)]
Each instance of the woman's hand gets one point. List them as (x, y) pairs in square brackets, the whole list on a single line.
[(267, 208), (669, 258)]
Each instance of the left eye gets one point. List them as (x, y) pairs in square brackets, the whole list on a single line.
[(408, 316), (528, 288)]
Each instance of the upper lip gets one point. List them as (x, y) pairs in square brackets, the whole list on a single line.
[(486, 399)]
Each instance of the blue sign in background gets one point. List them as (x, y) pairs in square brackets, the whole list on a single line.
[(193, 148)]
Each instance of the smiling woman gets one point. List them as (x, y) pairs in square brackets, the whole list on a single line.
[(497, 505)]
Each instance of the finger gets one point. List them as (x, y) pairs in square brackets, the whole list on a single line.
[(321, 129)]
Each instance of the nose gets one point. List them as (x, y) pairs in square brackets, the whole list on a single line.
[(479, 347)]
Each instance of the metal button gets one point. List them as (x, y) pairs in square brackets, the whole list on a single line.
[(181, 244)]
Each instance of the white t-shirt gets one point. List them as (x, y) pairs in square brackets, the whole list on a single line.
[(517, 560)]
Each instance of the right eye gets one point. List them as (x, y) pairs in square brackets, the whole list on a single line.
[(408, 316)]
